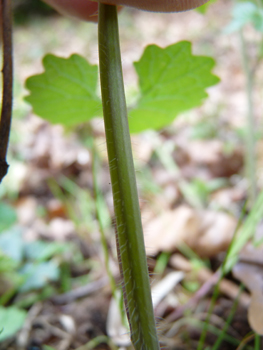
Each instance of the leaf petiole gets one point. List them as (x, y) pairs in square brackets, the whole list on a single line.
[(129, 234)]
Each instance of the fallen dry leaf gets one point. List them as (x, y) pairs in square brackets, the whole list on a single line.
[(205, 232), (49, 148), (255, 312), (249, 270), (252, 277), (26, 210), (227, 197), (165, 286), (252, 255), (217, 229), (55, 208), (169, 230), (60, 229), (209, 154)]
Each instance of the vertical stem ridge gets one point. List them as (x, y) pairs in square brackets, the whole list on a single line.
[(130, 242)]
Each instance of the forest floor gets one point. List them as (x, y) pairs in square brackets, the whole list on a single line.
[(193, 194)]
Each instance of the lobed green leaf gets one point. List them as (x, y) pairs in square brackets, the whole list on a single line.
[(171, 81), (66, 92)]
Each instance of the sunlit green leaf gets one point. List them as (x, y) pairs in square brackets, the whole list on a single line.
[(202, 9), (171, 81), (66, 92)]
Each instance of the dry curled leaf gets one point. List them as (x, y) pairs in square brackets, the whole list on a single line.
[(205, 232), (210, 155), (249, 270), (252, 277)]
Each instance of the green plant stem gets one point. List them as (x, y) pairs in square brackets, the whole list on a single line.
[(130, 242), (250, 132), (257, 342)]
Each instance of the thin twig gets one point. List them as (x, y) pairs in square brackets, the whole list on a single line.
[(210, 280), (23, 336), (251, 166), (80, 292), (5, 124)]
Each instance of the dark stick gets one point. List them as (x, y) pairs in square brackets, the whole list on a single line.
[(7, 71)]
